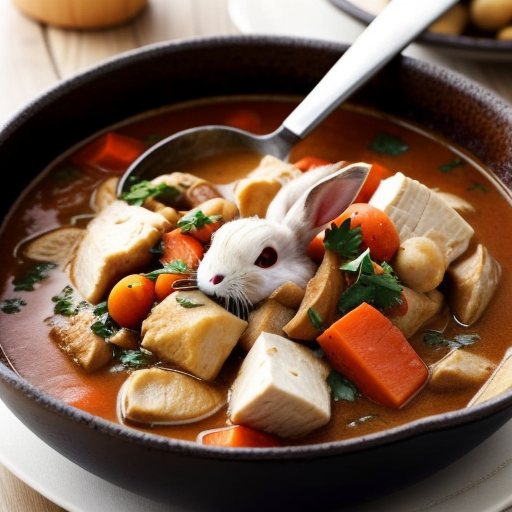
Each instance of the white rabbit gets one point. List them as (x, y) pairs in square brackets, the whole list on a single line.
[(250, 257)]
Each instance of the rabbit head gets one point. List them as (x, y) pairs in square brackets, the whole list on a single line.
[(250, 257)]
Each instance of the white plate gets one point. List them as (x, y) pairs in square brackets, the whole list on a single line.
[(479, 482), (321, 19)]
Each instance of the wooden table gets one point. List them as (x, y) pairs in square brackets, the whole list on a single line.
[(33, 57)]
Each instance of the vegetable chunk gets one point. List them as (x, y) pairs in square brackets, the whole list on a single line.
[(238, 436), (369, 350), (166, 397), (193, 332), (281, 389)]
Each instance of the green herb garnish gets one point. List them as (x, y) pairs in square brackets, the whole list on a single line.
[(379, 290), (33, 276), (11, 306), (104, 326), (343, 240), (173, 267), (388, 144), (433, 338), (135, 358), (141, 191), (342, 388), (188, 303), (198, 221), (457, 162), (315, 319)]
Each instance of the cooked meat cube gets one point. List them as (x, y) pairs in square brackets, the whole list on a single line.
[(193, 332), (117, 243), (153, 396), (459, 370), (76, 338), (281, 389)]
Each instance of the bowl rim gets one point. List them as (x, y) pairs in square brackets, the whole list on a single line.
[(418, 427)]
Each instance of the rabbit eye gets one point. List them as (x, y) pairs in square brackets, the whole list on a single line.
[(267, 258)]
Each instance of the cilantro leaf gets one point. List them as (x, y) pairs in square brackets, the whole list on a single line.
[(141, 191), (172, 267), (432, 338), (33, 276), (135, 358), (379, 290), (343, 240), (388, 144), (315, 319), (188, 303), (342, 388), (457, 162), (11, 306), (198, 221)]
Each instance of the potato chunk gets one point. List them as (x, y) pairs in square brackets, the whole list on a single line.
[(193, 332), (159, 396), (280, 389), (459, 370), (473, 279), (77, 339), (322, 294)]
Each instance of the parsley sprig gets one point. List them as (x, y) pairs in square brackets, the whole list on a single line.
[(381, 291), (198, 221), (432, 338), (141, 191), (343, 240)]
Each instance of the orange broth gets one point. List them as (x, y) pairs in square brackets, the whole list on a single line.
[(62, 196)]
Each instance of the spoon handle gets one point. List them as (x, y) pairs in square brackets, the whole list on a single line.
[(391, 31)]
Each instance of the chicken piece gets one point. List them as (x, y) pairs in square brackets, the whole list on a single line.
[(322, 294), (254, 193), (156, 396), (499, 381), (271, 316), (117, 242), (105, 194), (55, 246), (193, 332), (473, 280), (421, 307), (418, 211), (281, 389), (459, 370), (76, 338)]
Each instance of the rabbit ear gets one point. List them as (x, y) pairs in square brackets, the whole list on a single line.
[(323, 201)]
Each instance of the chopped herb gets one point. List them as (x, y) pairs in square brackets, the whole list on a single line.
[(135, 358), (480, 188), (343, 240), (360, 420), (457, 162), (11, 306), (388, 144), (198, 221), (315, 319), (64, 303), (66, 174), (33, 276), (342, 388), (104, 327), (379, 290), (187, 303), (432, 338), (141, 191), (173, 267)]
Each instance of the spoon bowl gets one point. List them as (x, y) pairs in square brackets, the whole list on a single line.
[(390, 32)]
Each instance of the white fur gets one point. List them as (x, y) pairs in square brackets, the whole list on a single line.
[(237, 244)]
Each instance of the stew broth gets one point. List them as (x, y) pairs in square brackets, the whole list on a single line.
[(62, 197)]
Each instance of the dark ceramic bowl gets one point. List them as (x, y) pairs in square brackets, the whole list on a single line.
[(316, 477)]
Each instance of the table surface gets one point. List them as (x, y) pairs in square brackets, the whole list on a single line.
[(34, 56)]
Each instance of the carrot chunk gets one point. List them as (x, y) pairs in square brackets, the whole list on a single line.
[(179, 246), (377, 173), (110, 152), (369, 350), (239, 436), (306, 163)]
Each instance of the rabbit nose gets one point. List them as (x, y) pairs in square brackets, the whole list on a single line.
[(216, 279)]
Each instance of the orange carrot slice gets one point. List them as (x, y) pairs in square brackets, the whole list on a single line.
[(239, 436), (370, 351)]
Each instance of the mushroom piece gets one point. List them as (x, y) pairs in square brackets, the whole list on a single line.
[(459, 369), (157, 396), (473, 279), (322, 294), (55, 246)]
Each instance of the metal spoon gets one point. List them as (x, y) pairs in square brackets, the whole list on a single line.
[(391, 31)]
